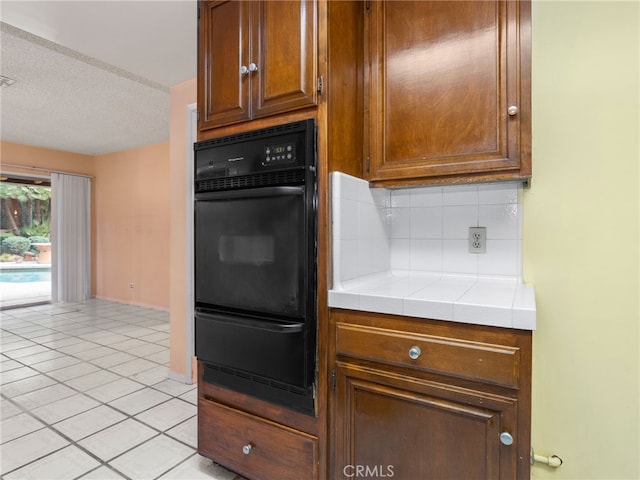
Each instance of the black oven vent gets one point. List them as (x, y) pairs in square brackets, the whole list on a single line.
[(255, 134), (266, 179), (297, 398)]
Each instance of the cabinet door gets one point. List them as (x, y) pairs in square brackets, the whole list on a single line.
[(443, 75), (284, 50), (408, 428), (223, 90)]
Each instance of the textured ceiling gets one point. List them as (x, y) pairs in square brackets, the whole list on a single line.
[(93, 80)]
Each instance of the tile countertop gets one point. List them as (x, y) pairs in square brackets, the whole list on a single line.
[(405, 252), (458, 298)]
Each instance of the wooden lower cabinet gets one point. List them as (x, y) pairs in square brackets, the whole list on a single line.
[(419, 399), (407, 429), (254, 447)]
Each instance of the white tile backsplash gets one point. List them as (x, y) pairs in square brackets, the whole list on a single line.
[(460, 195), (457, 219), (360, 229), (426, 222), (424, 229)]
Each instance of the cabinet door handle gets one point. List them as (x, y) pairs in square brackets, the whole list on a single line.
[(244, 70), (506, 438), (253, 67), (414, 352), (512, 110), (247, 449)]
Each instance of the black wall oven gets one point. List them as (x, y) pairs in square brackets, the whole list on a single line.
[(255, 262)]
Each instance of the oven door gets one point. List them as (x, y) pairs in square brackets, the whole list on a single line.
[(253, 251)]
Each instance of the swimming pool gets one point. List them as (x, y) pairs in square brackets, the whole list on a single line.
[(25, 276)]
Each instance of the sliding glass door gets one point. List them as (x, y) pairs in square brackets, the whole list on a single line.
[(25, 240)]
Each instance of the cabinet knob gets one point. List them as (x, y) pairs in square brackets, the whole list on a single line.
[(253, 67), (244, 70), (512, 110), (247, 449), (415, 352), (506, 438)]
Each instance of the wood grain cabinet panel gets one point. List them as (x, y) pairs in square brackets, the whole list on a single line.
[(294, 42), (449, 90), (486, 362), (287, 49), (407, 428), (254, 447), (223, 46), (255, 59), (457, 407)]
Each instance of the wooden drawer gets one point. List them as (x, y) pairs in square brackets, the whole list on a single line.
[(276, 452), (486, 362)]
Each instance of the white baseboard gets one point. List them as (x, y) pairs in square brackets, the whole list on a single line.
[(180, 378), (136, 304)]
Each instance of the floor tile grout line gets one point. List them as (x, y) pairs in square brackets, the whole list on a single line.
[(79, 376), (46, 374), (106, 463), (177, 465), (89, 361), (143, 386), (81, 339), (76, 443), (128, 416), (98, 367)]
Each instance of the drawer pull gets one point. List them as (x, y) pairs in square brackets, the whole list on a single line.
[(247, 449), (506, 438), (414, 352)]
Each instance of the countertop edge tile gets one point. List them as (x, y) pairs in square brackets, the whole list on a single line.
[(427, 309), (341, 299), (381, 304), (489, 315), (507, 305)]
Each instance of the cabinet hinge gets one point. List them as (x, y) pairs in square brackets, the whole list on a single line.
[(198, 115), (367, 5), (333, 380), (320, 84), (366, 165)]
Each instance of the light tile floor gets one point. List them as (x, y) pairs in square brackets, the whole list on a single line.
[(85, 395)]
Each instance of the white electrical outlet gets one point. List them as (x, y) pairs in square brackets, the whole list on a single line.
[(477, 240), (132, 285)]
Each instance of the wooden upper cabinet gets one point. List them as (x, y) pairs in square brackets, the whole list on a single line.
[(255, 59), (449, 90), (286, 56), (223, 93)]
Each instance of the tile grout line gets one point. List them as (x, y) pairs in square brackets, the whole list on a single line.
[(127, 416)]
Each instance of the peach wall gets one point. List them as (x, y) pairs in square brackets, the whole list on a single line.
[(48, 159), (45, 158), (133, 225), (182, 95)]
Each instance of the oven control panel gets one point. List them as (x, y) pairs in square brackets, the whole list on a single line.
[(285, 147), (281, 154)]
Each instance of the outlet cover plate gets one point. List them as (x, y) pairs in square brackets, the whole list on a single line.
[(477, 240)]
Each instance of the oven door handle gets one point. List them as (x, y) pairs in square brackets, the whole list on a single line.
[(250, 193), (278, 327)]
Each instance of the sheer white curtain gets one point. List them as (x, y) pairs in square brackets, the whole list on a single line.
[(71, 242)]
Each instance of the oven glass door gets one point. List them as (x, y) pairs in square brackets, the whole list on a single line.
[(251, 250)]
